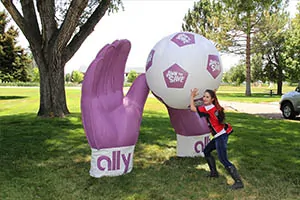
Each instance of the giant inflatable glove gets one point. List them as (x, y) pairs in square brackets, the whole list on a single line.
[(191, 130), (112, 121)]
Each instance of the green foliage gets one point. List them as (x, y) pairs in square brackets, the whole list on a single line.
[(35, 75), (210, 19), (20, 84), (227, 22), (132, 76), (62, 9), (198, 19), (292, 48), (126, 84), (270, 42), (68, 77), (14, 62), (77, 76), (236, 75), (257, 72), (226, 77)]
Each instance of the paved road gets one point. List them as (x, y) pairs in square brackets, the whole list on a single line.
[(270, 110)]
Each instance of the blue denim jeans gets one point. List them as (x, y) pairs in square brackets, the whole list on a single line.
[(219, 143)]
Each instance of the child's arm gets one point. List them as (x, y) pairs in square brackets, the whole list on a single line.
[(194, 92)]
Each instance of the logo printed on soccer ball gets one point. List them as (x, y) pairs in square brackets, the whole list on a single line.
[(175, 76), (149, 59), (183, 39), (214, 65)]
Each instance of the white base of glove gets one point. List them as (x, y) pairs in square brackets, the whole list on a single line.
[(191, 146), (111, 161)]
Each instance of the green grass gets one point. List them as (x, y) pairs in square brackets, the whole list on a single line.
[(50, 158)]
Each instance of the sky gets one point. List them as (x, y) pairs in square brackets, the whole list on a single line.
[(143, 23)]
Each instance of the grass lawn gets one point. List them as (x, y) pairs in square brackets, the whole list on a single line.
[(50, 158), (259, 94)]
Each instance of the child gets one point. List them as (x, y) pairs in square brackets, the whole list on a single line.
[(215, 116)]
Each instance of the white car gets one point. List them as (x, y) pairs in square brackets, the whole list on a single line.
[(290, 104)]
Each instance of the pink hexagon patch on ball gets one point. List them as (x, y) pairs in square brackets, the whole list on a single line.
[(214, 65), (150, 59), (183, 39), (175, 76)]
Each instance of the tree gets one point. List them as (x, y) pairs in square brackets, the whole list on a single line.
[(236, 74), (257, 72), (234, 23), (35, 75), (270, 41), (206, 18), (226, 77), (14, 62), (55, 30), (248, 15), (132, 76), (292, 48), (76, 76), (68, 77)]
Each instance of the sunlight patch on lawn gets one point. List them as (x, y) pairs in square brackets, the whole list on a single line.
[(147, 154), (80, 159), (203, 166), (54, 144), (214, 195)]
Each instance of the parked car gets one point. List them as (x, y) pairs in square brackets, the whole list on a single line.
[(290, 104)]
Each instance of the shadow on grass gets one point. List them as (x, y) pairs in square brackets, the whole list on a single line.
[(12, 97), (49, 159), (29, 142)]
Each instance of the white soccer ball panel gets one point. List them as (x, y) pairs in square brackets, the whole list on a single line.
[(179, 63)]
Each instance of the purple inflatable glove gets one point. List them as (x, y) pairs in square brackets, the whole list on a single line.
[(110, 120), (192, 132)]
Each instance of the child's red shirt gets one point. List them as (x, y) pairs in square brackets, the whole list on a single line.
[(211, 113)]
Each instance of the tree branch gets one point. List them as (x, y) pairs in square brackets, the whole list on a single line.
[(70, 23), (86, 30), (239, 40), (271, 60), (256, 22), (15, 14), (31, 27), (235, 33), (46, 9)]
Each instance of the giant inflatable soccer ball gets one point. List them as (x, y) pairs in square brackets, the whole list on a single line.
[(180, 62)]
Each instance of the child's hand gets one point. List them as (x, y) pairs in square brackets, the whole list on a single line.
[(194, 92)]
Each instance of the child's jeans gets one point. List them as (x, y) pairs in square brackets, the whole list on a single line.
[(219, 143)]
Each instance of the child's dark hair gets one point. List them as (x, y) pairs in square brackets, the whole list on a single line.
[(220, 109)]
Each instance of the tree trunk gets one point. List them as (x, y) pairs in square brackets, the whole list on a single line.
[(248, 54), (279, 81), (248, 67), (52, 88), (279, 87)]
